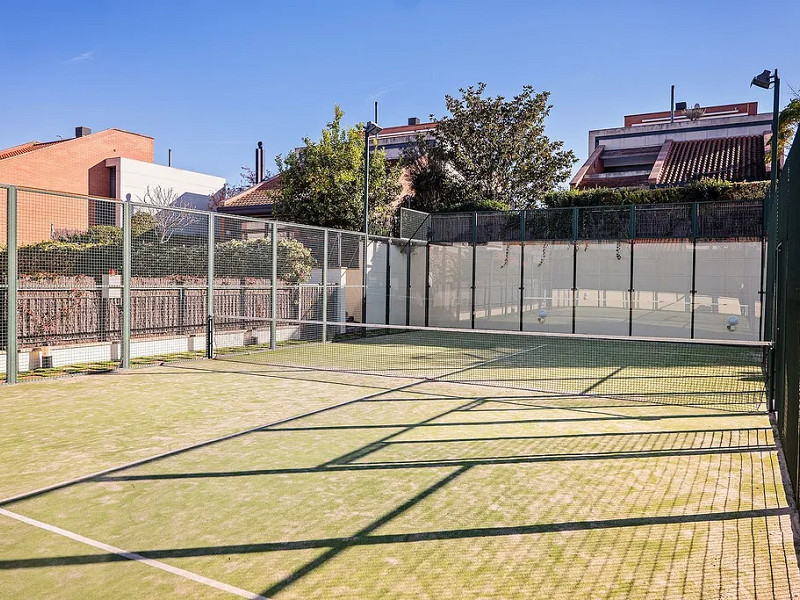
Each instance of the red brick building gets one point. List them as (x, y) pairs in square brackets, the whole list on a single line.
[(75, 166)]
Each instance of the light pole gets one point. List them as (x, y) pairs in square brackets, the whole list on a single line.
[(766, 80), (369, 129)]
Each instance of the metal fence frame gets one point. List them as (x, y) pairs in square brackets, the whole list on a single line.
[(572, 225), (585, 224), (783, 294)]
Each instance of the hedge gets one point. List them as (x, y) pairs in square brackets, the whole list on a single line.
[(250, 258), (702, 191)]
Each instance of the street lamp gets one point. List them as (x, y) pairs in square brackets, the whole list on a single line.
[(765, 80), (369, 129)]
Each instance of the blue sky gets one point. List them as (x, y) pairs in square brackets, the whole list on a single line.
[(210, 79)]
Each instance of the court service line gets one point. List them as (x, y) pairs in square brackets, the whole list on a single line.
[(156, 564)]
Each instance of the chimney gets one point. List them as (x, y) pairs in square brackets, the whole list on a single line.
[(413, 120), (260, 162), (82, 131)]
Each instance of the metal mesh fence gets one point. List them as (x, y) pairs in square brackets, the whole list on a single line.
[(100, 282), (709, 220), (414, 224), (4, 281), (169, 283), (68, 285), (783, 294)]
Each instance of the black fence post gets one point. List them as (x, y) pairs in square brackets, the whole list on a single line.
[(522, 227), (388, 278), (427, 283), (409, 247), (632, 235), (575, 217), (182, 310), (695, 230), (474, 259)]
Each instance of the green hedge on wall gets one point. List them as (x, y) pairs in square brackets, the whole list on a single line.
[(702, 191), (150, 258)]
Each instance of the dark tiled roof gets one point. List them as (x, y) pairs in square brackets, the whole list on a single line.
[(261, 194), (731, 158)]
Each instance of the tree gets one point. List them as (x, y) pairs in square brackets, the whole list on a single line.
[(788, 120), (168, 220), (490, 152), (322, 183), (247, 179)]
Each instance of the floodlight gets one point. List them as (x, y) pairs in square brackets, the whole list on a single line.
[(763, 81)]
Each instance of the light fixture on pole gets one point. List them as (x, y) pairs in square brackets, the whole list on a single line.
[(369, 129), (765, 80)]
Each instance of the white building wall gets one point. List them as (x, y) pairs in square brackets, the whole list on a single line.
[(191, 188), (657, 134)]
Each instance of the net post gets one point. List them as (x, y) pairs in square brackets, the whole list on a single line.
[(125, 324), (273, 324), (11, 305), (632, 235), (693, 291), (474, 257), (522, 227), (325, 286), (210, 288)]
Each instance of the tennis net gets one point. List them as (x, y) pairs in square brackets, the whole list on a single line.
[(726, 375)]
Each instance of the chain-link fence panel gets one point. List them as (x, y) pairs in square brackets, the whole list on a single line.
[(169, 283), (414, 224), (242, 284), (69, 253), (658, 221)]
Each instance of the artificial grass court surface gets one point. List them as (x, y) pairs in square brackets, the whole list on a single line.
[(436, 490)]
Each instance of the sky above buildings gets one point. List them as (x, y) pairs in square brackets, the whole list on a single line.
[(210, 79)]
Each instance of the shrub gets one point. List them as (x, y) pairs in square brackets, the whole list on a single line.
[(702, 191)]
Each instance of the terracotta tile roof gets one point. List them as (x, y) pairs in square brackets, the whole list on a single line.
[(732, 158), (25, 148), (261, 194)]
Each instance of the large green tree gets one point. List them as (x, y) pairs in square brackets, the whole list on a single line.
[(489, 152), (322, 184), (788, 121)]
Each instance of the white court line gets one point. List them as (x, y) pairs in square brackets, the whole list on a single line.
[(135, 557)]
